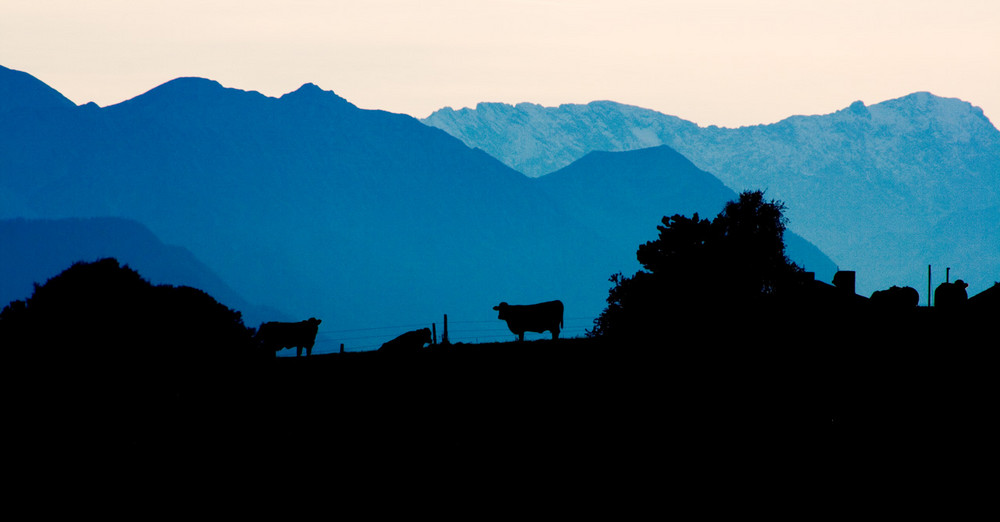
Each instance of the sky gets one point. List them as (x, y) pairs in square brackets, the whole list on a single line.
[(715, 62)]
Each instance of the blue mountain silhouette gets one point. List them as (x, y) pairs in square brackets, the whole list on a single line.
[(308, 204), (36, 249), (871, 185), (20, 91), (628, 191)]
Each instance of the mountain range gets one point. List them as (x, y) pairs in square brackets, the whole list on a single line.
[(304, 203), (34, 250), (625, 194), (884, 190), (307, 206)]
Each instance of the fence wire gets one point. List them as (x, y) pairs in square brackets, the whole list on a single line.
[(371, 338)]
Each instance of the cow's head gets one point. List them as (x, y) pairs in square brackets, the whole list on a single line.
[(502, 308), (313, 321)]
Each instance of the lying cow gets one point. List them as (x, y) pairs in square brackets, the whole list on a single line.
[(409, 342), (275, 335), (896, 298), (532, 318)]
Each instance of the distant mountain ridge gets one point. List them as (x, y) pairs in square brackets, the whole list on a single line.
[(368, 220), (304, 203), (628, 192), (537, 140), (867, 184), (36, 250), (21, 91)]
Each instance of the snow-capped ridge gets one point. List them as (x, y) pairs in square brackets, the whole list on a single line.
[(867, 183)]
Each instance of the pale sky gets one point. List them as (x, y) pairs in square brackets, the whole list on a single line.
[(714, 62)]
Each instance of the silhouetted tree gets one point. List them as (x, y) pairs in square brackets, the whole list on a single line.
[(104, 316), (103, 360), (698, 268)]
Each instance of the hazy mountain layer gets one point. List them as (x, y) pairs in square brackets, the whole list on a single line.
[(628, 192), (371, 221), (36, 250), (305, 203), (870, 186)]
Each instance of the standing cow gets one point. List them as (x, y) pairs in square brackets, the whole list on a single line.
[(532, 318), (275, 335)]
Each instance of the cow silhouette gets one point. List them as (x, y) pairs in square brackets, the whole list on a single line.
[(951, 295), (896, 298), (532, 318), (276, 335), (408, 342)]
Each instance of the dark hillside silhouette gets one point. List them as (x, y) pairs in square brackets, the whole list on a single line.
[(587, 409), (988, 299), (99, 360)]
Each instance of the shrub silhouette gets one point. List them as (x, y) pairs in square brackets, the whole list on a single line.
[(106, 313), (699, 269), (101, 361)]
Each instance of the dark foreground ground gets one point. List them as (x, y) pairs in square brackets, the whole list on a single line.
[(649, 418)]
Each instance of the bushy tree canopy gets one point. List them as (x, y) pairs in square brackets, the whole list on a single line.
[(699, 268), (103, 311)]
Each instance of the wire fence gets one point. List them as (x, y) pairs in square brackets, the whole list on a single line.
[(371, 338)]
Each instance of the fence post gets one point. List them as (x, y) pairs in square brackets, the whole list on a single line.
[(434, 334), (444, 335), (928, 286)]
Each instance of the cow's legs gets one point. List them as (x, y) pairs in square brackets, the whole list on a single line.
[(555, 333), (520, 336), (298, 351)]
